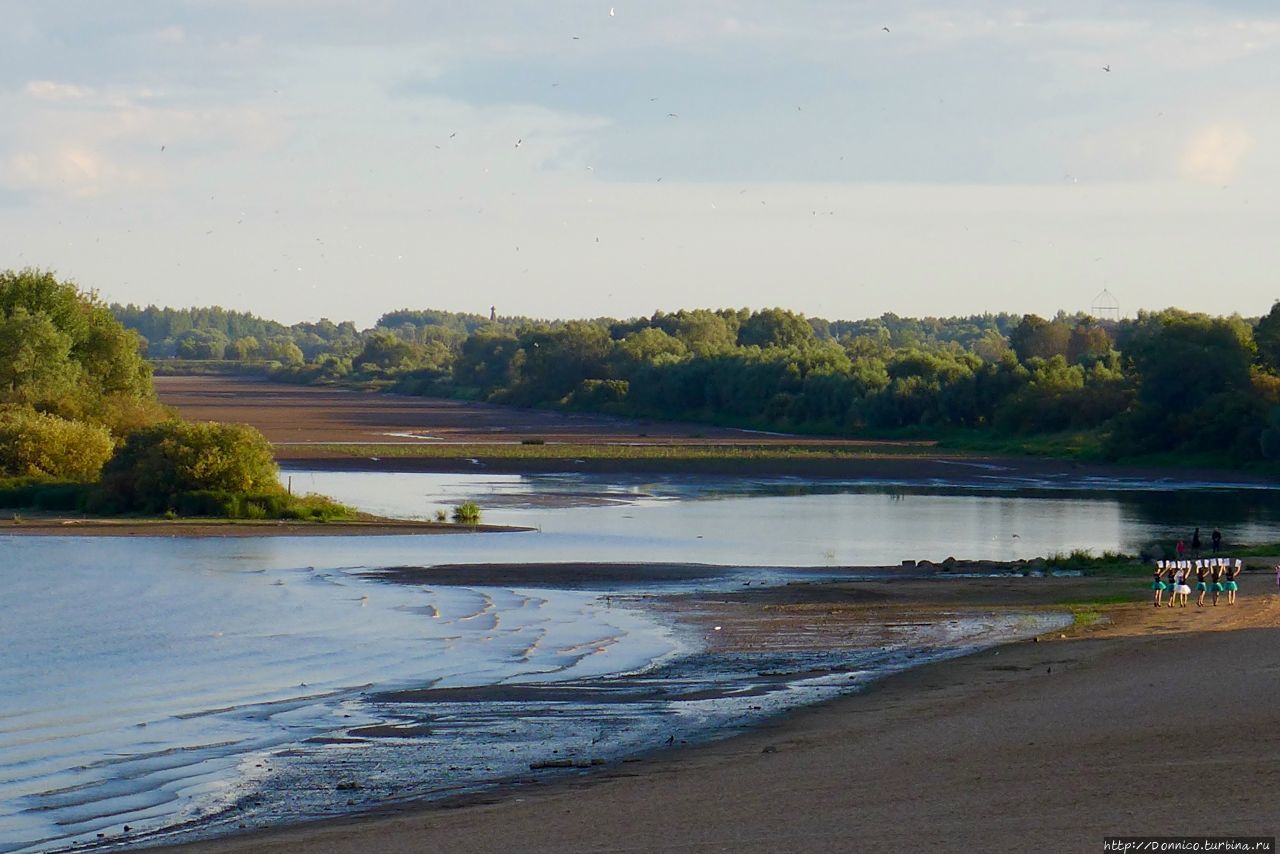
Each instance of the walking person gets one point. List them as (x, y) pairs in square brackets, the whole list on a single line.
[(1216, 575), (1157, 581), (1232, 586), (1202, 569), (1216, 539), (1195, 543)]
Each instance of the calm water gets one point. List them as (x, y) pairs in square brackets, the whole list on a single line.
[(785, 522), (173, 683)]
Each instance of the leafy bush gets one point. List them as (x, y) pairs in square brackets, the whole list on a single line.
[(43, 494), (194, 468), (33, 444)]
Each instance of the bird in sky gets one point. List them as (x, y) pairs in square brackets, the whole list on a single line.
[(1106, 68), (672, 116), (610, 11), (518, 141), (886, 29)]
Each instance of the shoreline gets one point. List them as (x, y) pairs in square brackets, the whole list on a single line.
[(77, 526), (978, 471), (964, 728)]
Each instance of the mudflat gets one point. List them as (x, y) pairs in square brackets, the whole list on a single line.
[(1148, 722), (318, 414), (351, 430)]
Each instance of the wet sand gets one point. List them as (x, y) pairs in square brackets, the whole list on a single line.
[(1149, 722)]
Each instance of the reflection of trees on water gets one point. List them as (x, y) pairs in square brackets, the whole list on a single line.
[(1243, 515)]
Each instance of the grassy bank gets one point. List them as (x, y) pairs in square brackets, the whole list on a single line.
[(67, 497), (538, 450)]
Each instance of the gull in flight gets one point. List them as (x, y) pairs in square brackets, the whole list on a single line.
[(1106, 68), (610, 11), (518, 141)]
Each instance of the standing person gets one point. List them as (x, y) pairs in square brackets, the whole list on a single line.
[(1216, 575), (1216, 539), (1232, 586), (1278, 576), (1180, 586), (1157, 581), (1181, 549), (1202, 569), (1195, 543)]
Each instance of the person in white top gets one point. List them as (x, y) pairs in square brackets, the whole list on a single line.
[(1180, 586)]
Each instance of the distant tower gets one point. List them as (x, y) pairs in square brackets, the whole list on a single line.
[(493, 312), (1105, 307)]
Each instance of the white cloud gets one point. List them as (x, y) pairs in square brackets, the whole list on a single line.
[(49, 90), (69, 169), (1214, 153)]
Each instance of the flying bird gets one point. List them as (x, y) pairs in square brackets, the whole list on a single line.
[(1106, 68), (672, 116), (518, 141), (610, 11), (886, 29)]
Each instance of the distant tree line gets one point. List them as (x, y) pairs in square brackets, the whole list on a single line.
[(1163, 382)]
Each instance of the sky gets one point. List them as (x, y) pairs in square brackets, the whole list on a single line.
[(315, 158)]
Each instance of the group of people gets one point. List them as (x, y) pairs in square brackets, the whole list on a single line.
[(1215, 575)]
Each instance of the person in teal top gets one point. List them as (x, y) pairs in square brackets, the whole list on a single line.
[(1232, 574), (1217, 575), (1158, 585)]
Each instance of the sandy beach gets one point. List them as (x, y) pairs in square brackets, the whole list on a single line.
[(1146, 722)]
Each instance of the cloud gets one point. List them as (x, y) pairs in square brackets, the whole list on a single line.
[(1215, 153), (49, 90), (71, 169)]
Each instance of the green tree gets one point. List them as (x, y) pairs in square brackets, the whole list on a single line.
[(1267, 337), (1036, 337), (775, 327), (157, 464), (36, 367)]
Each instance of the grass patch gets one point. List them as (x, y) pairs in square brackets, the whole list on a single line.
[(1264, 550), (556, 451), (1073, 444), (1107, 564), (1104, 601), (1083, 618)]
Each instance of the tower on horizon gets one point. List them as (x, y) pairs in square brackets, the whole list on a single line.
[(1105, 306)]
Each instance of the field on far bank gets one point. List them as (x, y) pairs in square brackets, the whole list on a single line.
[(289, 414), (347, 429)]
